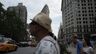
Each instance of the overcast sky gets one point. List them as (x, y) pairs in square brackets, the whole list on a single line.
[(35, 6)]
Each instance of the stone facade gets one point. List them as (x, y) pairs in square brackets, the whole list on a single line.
[(20, 11), (61, 36), (78, 16)]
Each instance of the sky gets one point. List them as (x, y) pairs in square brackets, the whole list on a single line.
[(35, 6)]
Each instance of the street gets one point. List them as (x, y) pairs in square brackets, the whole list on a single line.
[(27, 50), (23, 50)]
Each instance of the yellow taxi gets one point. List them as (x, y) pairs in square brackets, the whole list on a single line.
[(7, 46)]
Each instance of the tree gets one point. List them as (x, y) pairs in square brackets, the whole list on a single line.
[(15, 27), (2, 18), (11, 25), (1, 9)]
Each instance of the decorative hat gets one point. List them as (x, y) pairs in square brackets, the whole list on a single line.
[(43, 18)]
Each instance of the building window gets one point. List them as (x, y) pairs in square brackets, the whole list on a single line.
[(83, 7), (91, 30), (85, 14), (79, 22), (90, 7), (83, 0), (83, 4), (79, 15), (79, 18), (86, 21), (76, 18), (71, 19), (79, 28), (90, 11), (78, 4), (90, 18), (91, 14), (78, 11), (95, 7), (85, 11), (83, 21), (78, 7), (78, 1), (95, 3), (72, 16), (90, 4), (84, 18), (90, 21), (82, 14), (85, 28), (89, 0), (71, 22)]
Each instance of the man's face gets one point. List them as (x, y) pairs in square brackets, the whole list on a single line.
[(74, 39), (32, 30)]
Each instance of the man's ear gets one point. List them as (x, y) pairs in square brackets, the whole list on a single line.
[(38, 28)]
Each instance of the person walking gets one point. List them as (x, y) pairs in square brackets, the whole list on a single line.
[(76, 46), (40, 27), (87, 47)]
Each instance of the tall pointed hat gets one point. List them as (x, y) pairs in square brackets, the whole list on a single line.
[(43, 19), (45, 10)]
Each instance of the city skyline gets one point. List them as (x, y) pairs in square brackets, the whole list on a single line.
[(35, 6)]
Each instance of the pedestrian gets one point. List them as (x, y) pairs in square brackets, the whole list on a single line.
[(76, 46), (88, 38), (63, 47), (87, 48), (40, 27)]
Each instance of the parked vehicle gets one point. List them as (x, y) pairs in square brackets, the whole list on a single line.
[(7, 46), (23, 44)]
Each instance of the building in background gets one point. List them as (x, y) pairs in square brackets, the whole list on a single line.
[(20, 11), (61, 36), (95, 22), (78, 16)]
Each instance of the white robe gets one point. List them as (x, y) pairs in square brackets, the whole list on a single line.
[(47, 46)]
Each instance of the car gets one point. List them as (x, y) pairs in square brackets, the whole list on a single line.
[(23, 44), (7, 46)]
